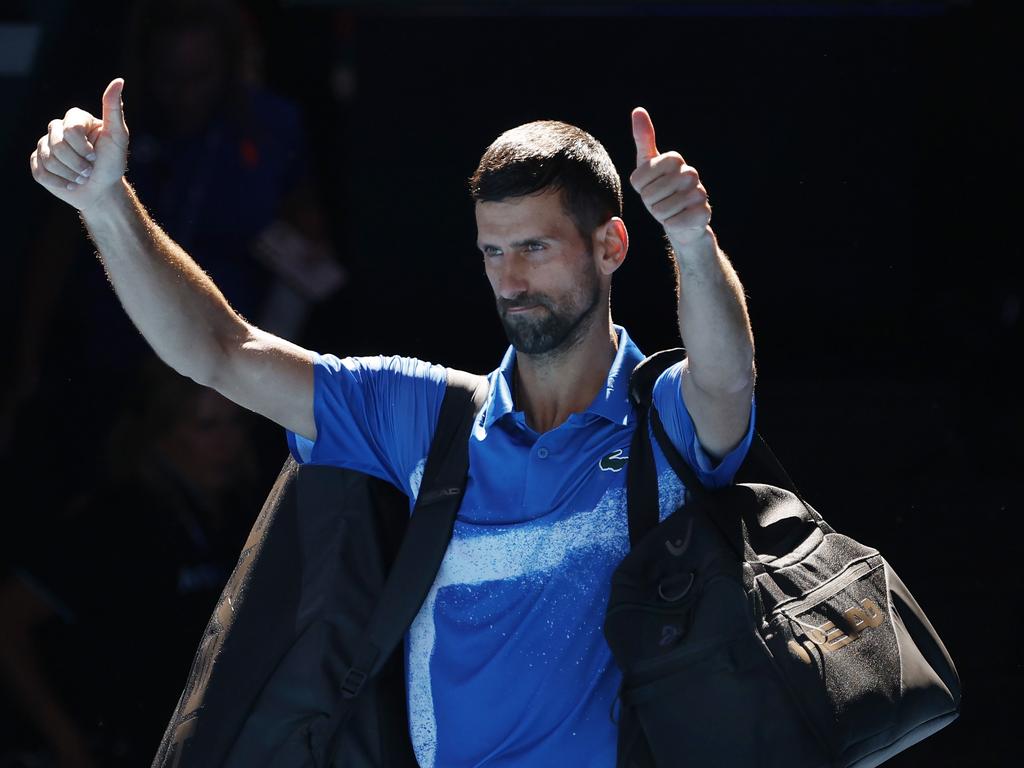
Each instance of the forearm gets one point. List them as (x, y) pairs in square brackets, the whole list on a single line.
[(174, 304), (713, 319)]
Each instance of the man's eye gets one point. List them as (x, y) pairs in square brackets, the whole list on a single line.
[(535, 246), (490, 250)]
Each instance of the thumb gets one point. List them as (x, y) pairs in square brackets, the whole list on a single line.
[(113, 109), (643, 135)]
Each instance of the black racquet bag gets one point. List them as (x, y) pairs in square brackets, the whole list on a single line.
[(301, 664)]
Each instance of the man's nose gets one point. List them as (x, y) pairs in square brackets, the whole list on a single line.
[(511, 279)]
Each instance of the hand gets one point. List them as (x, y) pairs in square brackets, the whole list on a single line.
[(81, 160), (669, 187)]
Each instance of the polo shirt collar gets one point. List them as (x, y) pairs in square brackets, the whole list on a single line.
[(611, 403)]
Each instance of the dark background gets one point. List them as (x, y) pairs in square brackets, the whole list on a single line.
[(864, 166)]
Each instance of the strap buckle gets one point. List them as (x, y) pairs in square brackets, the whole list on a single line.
[(353, 683)]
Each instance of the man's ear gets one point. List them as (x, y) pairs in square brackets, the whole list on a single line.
[(612, 241)]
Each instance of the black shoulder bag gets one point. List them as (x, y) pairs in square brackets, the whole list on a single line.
[(300, 665), (750, 633)]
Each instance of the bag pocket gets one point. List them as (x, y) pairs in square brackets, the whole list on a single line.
[(837, 648), (713, 697), (722, 704)]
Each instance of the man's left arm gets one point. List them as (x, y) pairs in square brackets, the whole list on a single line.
[(718, 375)]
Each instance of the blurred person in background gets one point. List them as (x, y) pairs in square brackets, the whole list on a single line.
[(239, 191), (240, 195), (100, 627)]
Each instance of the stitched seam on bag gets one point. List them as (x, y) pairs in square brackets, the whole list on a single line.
[(785, 605)]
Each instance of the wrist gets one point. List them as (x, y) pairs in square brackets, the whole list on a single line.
[(703, 246), (106, 205)]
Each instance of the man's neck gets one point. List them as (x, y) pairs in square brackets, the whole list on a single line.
[(549, 388)]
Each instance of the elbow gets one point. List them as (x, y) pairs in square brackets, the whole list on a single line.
[(725, 380), (740, 384), (748, 379), (745, 374), (212, 362)]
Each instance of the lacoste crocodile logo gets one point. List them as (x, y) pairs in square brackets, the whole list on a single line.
[(613, 462)]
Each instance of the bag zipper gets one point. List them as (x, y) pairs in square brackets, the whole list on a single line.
[(820, 594)]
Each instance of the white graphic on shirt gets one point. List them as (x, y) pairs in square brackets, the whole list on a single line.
[(527, 550), (671, 493), (416, 477)]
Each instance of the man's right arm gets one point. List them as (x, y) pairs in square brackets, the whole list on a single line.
[(174, 304)]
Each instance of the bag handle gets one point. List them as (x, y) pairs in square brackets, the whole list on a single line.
[(766, 457)]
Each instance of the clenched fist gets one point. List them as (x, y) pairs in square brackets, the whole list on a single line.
[(669, 187), (81, 158)]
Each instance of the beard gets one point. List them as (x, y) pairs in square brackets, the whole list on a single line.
[(550, 326)]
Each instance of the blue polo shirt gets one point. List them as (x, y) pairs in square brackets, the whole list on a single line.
[(506, 662)]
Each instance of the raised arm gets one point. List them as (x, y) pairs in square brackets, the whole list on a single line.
[(718, 378), (181, 313)]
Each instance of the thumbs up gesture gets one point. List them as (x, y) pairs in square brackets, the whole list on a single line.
[(81, 158), (669, 187)]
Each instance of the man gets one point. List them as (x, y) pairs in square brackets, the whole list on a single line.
[(506, 661)]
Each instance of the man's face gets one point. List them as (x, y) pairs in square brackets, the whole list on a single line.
[(541, 269), (208, 444), (189, 77)]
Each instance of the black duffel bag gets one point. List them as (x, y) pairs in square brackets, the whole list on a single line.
[(749, 632)]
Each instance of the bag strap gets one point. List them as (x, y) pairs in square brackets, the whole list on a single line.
[(641, 481), (641, 390), (641, 517), (766, 458), (421, 551), (743, 549)]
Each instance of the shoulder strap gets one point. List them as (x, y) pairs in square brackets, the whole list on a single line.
[(421, 551), (641, 390), (641, 482), (641, 473)]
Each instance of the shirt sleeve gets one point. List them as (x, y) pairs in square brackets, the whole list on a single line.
[(373, 414), (668, 400)]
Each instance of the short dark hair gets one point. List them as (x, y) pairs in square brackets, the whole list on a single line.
[(548, 154)]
